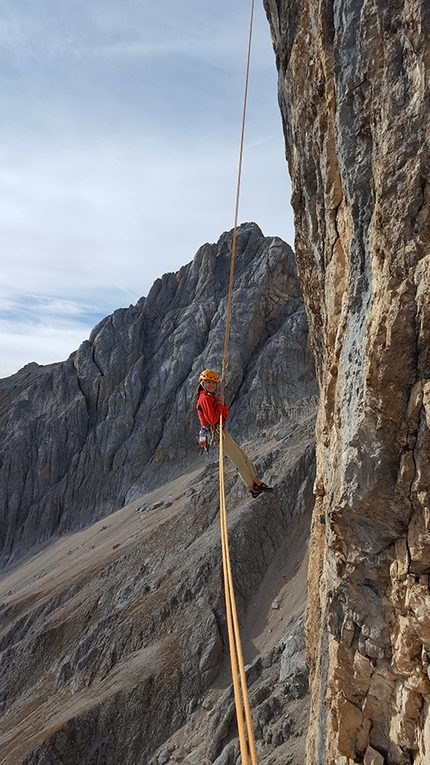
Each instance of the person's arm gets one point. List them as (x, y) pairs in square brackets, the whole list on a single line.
[(211, 409), (208, 408)]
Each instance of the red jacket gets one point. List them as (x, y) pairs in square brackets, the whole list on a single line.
[(209, 409)]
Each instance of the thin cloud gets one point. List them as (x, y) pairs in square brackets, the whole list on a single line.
[(41, 307), (119, 135), (40, 344)]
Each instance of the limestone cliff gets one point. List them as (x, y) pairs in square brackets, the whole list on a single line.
[(354, 95)]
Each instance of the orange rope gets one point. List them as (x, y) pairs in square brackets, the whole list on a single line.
[(241, 698), (243, 710), (236, 212)]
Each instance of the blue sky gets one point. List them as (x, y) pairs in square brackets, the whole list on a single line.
[(120, 129)]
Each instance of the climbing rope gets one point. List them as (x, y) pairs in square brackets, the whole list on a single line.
[(241, 698), (236, 210)]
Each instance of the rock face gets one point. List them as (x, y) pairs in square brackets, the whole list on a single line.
[(113, 639), (353, 89), (82, 438), (112, 619)]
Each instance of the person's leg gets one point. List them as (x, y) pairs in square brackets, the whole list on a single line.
[(240, 459)]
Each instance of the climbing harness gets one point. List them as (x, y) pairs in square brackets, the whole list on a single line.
[(241, 698), (208, 436)]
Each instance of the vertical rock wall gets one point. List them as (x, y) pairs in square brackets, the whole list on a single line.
[(354, 96)]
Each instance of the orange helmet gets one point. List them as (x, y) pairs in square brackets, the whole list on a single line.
[(207, 374)]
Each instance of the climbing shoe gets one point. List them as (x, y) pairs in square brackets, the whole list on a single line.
[(263, 487), (259, 488)]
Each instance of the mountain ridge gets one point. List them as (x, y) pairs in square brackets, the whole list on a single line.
[(117, 417)]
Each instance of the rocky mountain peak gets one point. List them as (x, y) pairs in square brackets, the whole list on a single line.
[(83, 437)]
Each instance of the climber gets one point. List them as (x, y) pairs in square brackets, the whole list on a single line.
[(209, 410)]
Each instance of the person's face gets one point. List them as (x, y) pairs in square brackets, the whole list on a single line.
[(209, 386)]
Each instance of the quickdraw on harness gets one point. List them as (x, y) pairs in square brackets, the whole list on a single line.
[(208, 436)]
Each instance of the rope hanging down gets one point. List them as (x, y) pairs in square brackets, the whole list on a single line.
[(236, 211), (241, 698)]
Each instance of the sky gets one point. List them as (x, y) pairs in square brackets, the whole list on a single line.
[(119, 146)]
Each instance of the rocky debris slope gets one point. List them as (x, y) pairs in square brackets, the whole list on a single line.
[(353, 89), (113, 638), (82, 438)]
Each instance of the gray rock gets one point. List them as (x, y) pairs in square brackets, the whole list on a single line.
[(157, 505), (356, 116), (81, 438), (112, 638), (294, 670)]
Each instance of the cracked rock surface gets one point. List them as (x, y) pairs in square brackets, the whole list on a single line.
[(84, 437), (353, 91)]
